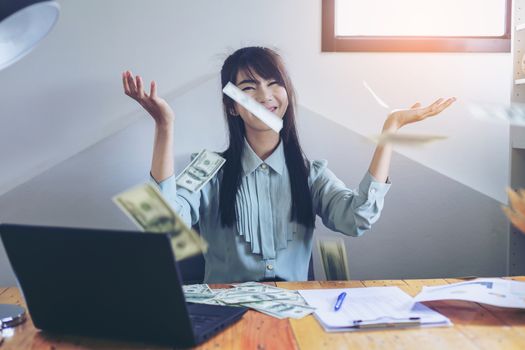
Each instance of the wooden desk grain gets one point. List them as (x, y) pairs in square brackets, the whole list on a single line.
[(475, 327)]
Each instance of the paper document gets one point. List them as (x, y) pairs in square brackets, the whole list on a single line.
[(368, 308), (490, 291)]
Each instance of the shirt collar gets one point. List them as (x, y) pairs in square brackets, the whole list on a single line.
[(251, 161)]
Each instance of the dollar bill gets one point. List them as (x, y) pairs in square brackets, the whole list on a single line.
[(243, 297), (513, 114), (197, 289), (146, 207), (273, 301), (256, 287), (334, 259), (406, 139), (281, 309), (200, 293), (206, 301), (201, 170)]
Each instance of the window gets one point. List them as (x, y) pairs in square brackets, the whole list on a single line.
[(416, 25)]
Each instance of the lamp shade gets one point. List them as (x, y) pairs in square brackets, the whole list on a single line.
[(23, 23)]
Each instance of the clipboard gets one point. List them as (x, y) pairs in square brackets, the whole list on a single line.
[(374, 308), (387, 322)]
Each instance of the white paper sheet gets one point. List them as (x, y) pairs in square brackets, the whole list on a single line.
[(375, 96), (254, 107), (490, 291), (381, 306)]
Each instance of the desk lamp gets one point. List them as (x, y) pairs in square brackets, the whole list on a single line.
[(23, 23)]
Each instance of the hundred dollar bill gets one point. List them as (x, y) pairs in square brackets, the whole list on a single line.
[(201, 170), (513, 114), (242, 297), (406, 139), (146, 207), (200, 289), (334, 259), (281, 309), (256, 287), (273, 301)]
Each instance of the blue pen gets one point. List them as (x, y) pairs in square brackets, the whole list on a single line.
[(339, 301)]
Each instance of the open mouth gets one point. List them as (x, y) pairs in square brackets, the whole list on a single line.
[(272, 109)]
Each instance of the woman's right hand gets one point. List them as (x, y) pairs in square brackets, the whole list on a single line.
[(156, 106)]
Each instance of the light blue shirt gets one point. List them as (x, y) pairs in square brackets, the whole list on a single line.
[(264, 243)]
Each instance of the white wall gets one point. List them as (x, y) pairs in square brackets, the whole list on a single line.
[(67, 95)]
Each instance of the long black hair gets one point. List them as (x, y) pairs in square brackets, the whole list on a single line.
[(268, 65)]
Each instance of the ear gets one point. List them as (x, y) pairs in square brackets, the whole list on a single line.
[(233, 111)]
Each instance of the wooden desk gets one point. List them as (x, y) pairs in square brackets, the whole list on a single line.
[(475, 327)]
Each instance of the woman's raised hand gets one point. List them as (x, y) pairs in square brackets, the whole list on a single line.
[(401, 117), (156, 106)]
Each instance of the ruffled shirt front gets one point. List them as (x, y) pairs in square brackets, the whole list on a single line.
[(264, 243), (265, 232)]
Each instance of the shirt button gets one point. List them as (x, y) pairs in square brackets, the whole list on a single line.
[(264, 166), (269, 267), (372, 190)]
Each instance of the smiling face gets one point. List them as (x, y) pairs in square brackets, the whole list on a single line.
[(268, 92)]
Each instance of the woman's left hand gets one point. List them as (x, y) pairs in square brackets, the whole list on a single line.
[(401, 117)]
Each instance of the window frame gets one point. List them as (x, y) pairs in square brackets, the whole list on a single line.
[(332, 43)]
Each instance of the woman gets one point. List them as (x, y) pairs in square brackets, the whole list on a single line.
[(258, 212)]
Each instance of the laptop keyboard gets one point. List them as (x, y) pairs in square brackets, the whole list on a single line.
[(201, 322)]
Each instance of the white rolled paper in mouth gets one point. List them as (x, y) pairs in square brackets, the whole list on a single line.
[(253, 106)]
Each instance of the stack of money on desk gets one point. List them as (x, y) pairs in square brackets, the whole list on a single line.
[(273, 301)]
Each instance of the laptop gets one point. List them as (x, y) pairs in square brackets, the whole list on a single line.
[(107, 283)]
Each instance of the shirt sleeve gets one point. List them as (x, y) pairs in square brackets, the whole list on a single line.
[(184, 202), (351, 212)]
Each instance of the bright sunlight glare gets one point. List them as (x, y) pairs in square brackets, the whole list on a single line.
[(420, 17)]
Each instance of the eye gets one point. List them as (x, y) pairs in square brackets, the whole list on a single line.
[(273, 83), (248, 88)]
